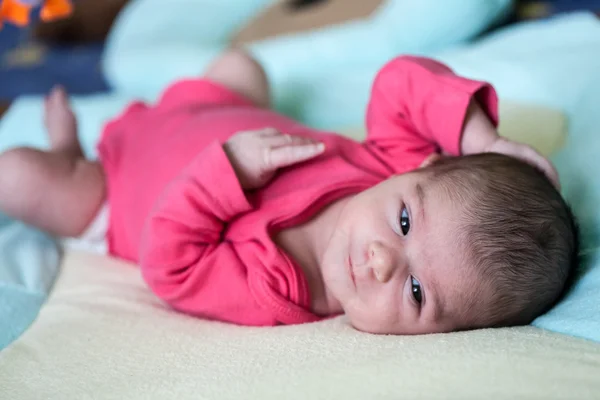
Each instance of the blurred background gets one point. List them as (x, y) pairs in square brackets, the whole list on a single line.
[(70, 51)]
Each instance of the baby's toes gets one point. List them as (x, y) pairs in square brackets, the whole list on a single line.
[(57, 98), (56, 105)]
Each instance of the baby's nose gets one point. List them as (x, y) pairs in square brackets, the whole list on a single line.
[(382, 261)]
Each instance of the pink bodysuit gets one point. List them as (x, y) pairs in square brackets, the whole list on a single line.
[(203, 244)]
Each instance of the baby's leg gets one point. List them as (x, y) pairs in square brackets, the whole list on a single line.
[(243, 74), (57, 191)]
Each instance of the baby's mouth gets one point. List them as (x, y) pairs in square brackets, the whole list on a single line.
[(351, 271)]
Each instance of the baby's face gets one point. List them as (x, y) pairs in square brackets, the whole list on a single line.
[(394, 261)]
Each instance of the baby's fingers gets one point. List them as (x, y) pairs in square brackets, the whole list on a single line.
[(287, 155), (281, 140)]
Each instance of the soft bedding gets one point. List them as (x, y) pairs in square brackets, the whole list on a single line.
[(102, 335), (28, 270), (29, 263)]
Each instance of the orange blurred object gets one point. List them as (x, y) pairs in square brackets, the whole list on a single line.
[(18, 12)]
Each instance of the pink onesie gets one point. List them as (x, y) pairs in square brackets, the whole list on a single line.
[(203, 244)]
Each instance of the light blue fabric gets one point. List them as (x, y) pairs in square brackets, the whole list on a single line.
[(578, 163), (28, 268), (544, 62), (18, 309), (153, 44)]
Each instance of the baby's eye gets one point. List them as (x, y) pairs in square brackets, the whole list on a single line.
[(404, 221), (415, 288)]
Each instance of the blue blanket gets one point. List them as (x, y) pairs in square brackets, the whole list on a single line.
[(579, 313), (28, 268)]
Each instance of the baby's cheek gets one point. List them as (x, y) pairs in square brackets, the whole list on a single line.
[(370, 323)]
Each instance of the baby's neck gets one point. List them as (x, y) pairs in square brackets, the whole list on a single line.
[(306, 245)]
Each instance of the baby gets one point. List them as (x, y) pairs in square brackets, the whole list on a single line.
[(239, 214)]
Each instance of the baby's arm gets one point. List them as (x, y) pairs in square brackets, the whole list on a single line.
[(479, 133), (419, 106), (184, 257), (480, 136)]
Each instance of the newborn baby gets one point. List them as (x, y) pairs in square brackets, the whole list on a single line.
[(239, 214)]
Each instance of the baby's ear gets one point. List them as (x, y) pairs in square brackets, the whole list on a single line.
[(432, 158)]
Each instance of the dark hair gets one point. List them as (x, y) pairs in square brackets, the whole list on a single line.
[(518, 232)]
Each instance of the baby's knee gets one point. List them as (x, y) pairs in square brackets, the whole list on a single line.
[(238, 60), (20, 181), (18, 156), (15, 164), (29, 171)]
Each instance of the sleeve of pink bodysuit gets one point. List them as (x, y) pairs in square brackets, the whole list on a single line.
[(418, 106), (184, 259)]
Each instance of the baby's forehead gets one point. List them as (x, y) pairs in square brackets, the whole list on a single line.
[(451, 184)]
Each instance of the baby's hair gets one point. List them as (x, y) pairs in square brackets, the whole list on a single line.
[(518, 232)]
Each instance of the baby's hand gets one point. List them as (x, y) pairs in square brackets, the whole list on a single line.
[(257, 155), (525, 153)]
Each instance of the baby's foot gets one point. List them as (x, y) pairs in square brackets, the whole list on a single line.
[(61, 123)]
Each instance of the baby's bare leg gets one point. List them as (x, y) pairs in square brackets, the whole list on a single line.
[(240, 72), (57, 191)]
